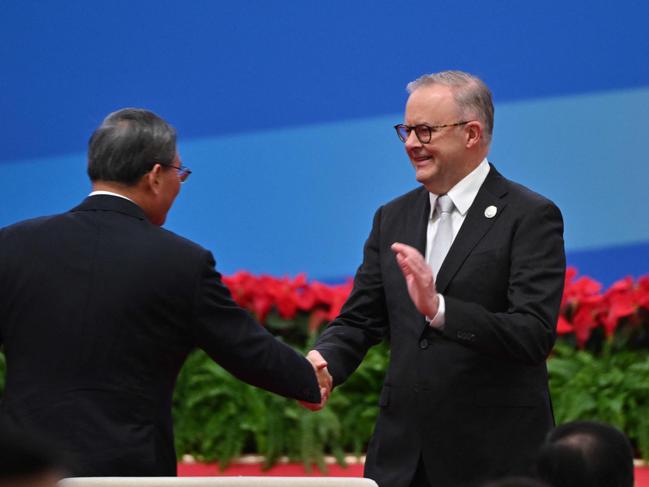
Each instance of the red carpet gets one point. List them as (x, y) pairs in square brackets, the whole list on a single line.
[(254, 469), (297, 470)]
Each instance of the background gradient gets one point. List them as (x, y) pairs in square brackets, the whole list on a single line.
[(285, 111)]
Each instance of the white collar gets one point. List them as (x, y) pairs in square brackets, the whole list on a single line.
[(464, 192), (110, 193)]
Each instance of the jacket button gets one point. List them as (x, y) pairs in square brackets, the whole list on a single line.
[(423, 344)]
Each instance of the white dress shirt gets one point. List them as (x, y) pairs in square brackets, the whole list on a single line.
[(462, 195), (110, 193)]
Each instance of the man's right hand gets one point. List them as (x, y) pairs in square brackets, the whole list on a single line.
[(325, 381), (419, 278)]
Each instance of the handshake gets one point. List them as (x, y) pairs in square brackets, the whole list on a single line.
[(421, 288), (325, 381)]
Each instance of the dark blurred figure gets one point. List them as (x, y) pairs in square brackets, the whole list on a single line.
[(586, 453), (25, 461), (516, 482)]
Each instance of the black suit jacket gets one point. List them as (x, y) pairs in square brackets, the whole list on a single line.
[(471, 400), (98, 311)]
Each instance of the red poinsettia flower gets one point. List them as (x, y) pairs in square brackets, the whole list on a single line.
[(305, 298), (241, 286), (620, 303), (341, 293), (583, 303), (584, 286), (583, 306), (571, 273), (564, 326), (587, 317), (261, 305), (642, 292)]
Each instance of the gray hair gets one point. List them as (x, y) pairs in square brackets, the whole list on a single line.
[(472, 96), (127, 144)]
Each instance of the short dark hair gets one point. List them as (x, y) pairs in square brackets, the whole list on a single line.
[(586, 453), (127, 144)]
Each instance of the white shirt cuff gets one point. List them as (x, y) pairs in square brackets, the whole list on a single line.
[(438, 320)]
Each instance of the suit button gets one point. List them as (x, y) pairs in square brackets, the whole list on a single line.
[(466, 335), (423, 344)]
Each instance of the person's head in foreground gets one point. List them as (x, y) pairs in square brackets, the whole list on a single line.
[(25, 461), (586, 453)]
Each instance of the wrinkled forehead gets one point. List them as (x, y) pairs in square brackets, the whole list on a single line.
[(431, 104)]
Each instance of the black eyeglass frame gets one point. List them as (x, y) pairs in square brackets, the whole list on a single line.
[(430, 129), (183, 171)]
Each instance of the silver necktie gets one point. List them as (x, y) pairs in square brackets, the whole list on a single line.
[(444, 235)]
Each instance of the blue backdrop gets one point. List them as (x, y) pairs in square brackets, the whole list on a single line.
[(285, 114)]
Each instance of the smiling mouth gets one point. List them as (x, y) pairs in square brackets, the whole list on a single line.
[(420, 159)]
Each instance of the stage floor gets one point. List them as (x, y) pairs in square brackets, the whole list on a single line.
[(297, 470)]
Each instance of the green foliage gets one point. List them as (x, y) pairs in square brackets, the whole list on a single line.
[(217, 417), (612, 387)]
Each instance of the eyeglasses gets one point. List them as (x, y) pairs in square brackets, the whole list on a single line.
[(183, 172), (423, 132)]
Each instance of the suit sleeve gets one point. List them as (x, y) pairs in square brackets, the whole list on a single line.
[(363, 320), (527, 330), (237, 342)]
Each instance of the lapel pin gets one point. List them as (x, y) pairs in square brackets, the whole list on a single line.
[(490, 211)]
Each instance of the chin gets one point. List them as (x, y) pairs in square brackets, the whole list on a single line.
[(425, 175), (430, 182)]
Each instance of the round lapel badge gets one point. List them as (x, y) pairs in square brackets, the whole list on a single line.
[(490, 211)]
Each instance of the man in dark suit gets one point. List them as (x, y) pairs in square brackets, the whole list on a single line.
[(470, 324), (99, 307)]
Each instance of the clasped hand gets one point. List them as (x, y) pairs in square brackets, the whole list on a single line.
[(421, 287), (325, 381)]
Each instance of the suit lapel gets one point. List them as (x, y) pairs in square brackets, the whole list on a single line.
[(418, 225), (474, 227), (414, 235)]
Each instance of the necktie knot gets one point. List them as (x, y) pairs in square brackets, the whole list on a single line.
[(444, 204)]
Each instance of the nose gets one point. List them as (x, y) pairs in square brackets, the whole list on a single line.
[(412, 141)]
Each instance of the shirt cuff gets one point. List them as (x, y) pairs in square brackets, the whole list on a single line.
[(439, 319)]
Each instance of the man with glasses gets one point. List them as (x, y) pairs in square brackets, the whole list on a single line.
[(464, 277), (100, 307)]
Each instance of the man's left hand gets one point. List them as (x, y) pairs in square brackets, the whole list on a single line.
[(419, 278)]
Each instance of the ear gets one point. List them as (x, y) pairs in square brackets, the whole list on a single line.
[(153, 179), (474, 133)]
